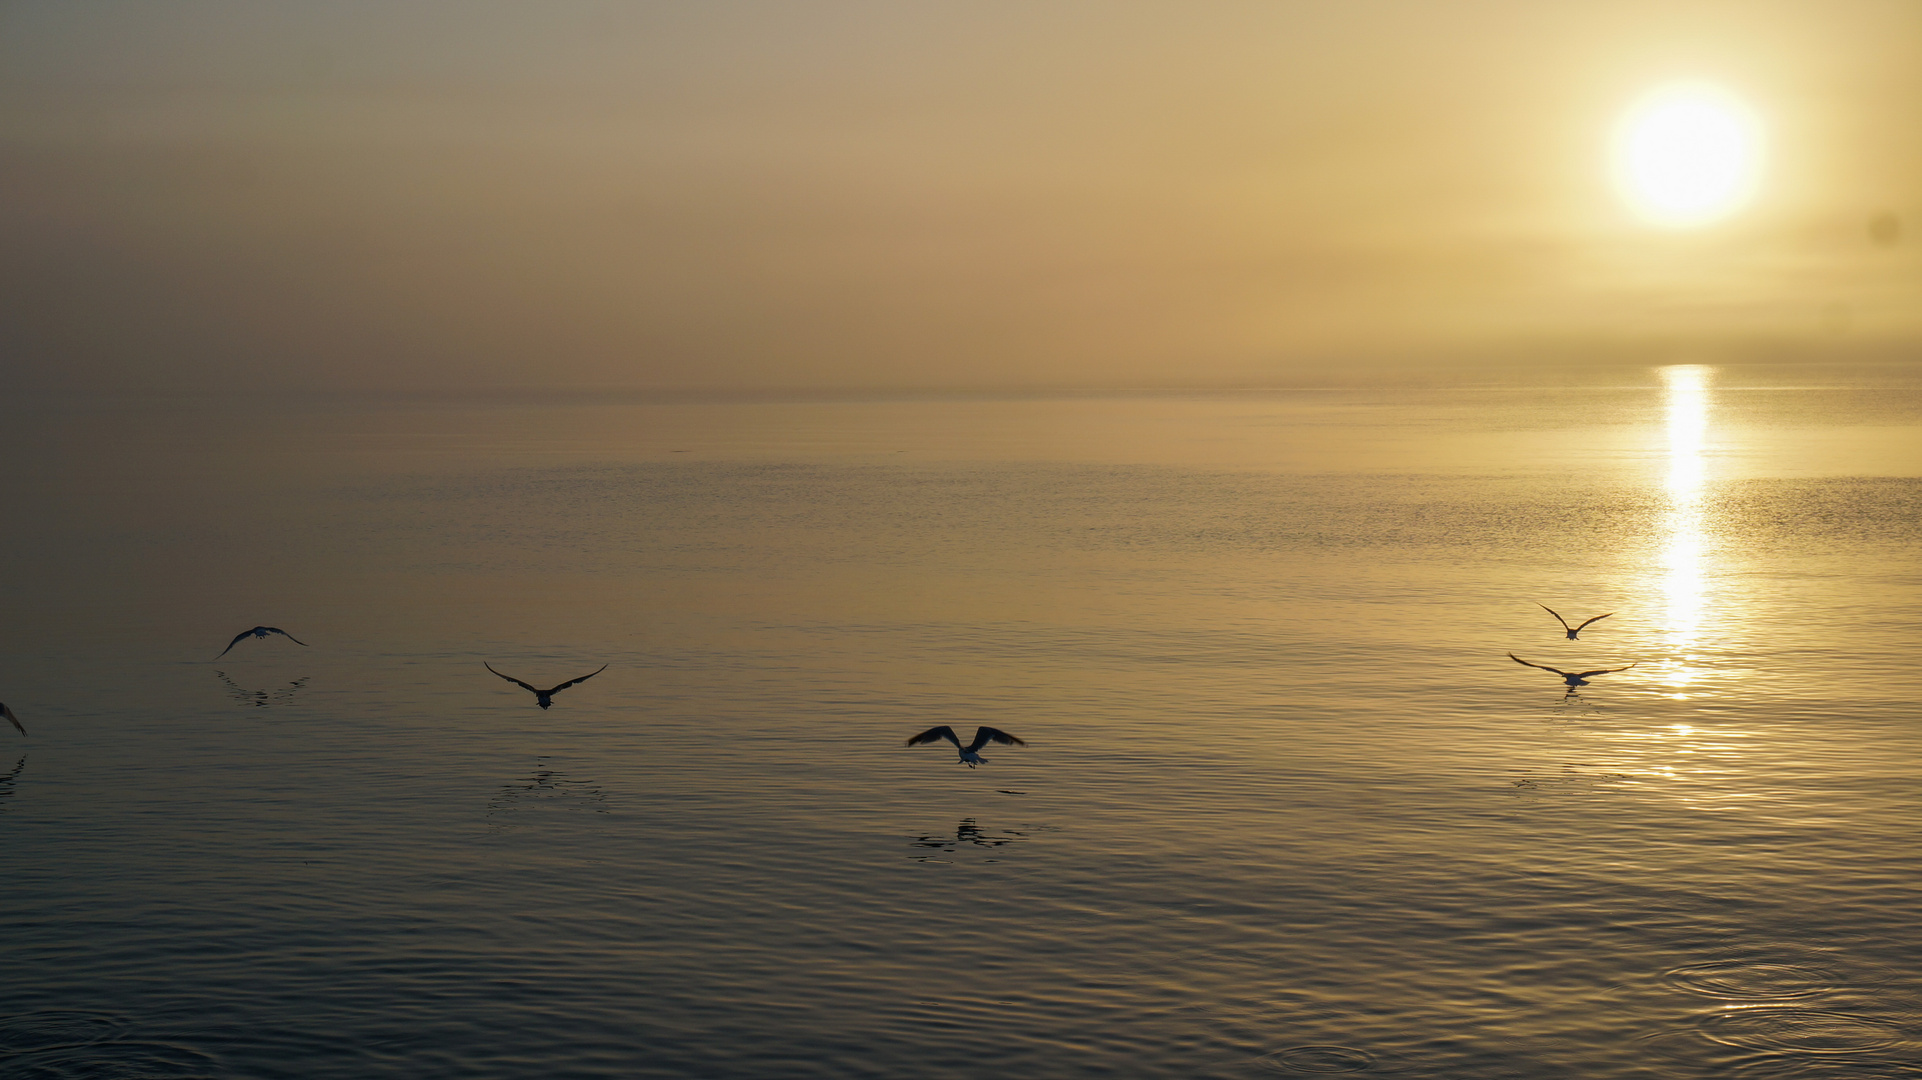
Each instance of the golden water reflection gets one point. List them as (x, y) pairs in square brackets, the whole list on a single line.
[(1703, 766), (1700, 767), (1684, 545)]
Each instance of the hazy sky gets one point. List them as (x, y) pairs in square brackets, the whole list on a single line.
[(922, 192)]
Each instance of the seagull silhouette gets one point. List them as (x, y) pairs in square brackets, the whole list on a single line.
[(545, 697), (259, 632), (982, 737), (1572, 631), (1572, 678), (11, 719)]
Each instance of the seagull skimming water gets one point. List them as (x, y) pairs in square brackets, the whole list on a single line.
[(545, 697), (1572, 630), (982, 737), (1572, 678), (259, 632)]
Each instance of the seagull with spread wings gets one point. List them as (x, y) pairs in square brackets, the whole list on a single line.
[(11, 719), (545, 697), (259, 632), (1572, 678), (1572, 630), (982, 737)]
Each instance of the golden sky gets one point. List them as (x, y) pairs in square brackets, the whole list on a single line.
[(925, 192)]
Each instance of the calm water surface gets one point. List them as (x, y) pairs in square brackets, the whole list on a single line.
[(1286, 807)]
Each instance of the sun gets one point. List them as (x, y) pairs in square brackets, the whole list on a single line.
[(1687, 154)]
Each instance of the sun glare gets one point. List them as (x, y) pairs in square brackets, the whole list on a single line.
[(1688, 154)]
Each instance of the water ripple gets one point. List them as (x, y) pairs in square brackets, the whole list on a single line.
[(1749, 979), (1801, 1031), (119, 1061), (1819, 1068), (1319, 1059), (54, 1028)]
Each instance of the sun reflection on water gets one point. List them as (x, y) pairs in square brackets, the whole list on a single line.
[(1684, 556), (1702, 767)]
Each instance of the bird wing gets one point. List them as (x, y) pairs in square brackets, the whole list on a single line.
[(935, 734), (283, 633), (11, 719), (582, 679), (510, 678), (985, 735), (1584, 626), (1604, 671), (238, 638), (1558, 619), (1544, 667)]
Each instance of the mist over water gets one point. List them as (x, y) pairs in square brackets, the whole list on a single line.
[(1286, 806)]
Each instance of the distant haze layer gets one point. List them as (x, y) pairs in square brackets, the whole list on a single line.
[(742, 196)]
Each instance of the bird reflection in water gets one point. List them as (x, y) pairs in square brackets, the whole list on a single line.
[(6, 781), (1573, 701), (545, 788), (966, 835), (262, 698), (1574, 778)]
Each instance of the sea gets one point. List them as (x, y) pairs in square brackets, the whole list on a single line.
[(1296, 794)]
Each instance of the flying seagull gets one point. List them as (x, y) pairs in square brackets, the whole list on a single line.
[(545, 697), (11, 719), (1572, 630), (1572, 678), (259, 632), (982, 737)]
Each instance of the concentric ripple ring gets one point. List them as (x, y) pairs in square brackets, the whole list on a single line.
[(1746, 979), (51, 1028), (1800, 1031), (1319, 1059)]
